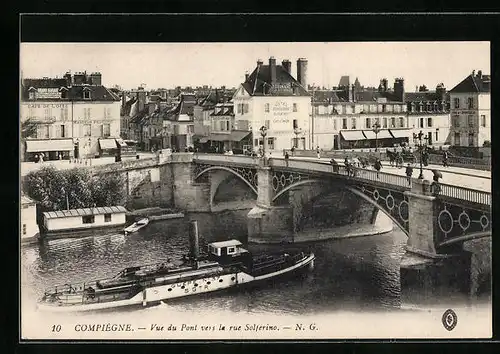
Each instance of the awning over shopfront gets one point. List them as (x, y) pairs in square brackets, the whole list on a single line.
[(107, 144), (404, 133), (352, 135), (49, 145), (383, 134), (235, 135), (121, 142)]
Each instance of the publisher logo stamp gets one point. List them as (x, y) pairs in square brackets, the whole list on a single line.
[(449, 319)]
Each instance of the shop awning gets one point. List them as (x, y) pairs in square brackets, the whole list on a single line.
[(49, 145), (352, 135), (401, 133), (235, 135), (383, 134), (106, 144), (121, 142)]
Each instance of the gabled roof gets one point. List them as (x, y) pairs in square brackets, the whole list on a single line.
[(185, 106), (74, 93), (259, 82), (344, 81), (473, 84)]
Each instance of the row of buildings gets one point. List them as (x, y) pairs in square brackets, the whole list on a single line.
[(76, 116)]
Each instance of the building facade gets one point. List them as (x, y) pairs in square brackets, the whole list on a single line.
[(29, 227), (178, 124), (67, 117), (470, 111), (272, 98)]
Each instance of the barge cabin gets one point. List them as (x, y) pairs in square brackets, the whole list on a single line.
[(84, 219)]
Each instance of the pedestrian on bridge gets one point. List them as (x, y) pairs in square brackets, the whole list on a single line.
[(335, 166), (286, 158), (445, 159), (378, 166), (293, 150), (409, 173), (318, 152)]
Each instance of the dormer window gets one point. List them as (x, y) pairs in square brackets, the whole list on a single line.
[(86, 93), (32, 93), (64, 92)]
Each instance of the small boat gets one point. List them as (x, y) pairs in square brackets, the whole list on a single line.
[(225, 265), (136, 226)]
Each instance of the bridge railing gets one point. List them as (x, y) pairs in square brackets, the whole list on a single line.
[(462, 193), (359, 173), (236, 159)]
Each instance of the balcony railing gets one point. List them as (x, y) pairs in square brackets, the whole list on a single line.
[(462, 193)]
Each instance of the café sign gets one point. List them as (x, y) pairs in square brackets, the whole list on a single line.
[(48, 92), (56, 105)]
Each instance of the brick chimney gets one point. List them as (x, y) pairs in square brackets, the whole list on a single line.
[(141, 99), (287, 65), (480, 74), (67, 76), (302, 72), (96, 79), (399, 89), (259, 63), (272, 70), (246, 76), (79, 78)]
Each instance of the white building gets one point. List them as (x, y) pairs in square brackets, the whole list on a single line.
[(29, 227), (470, 111), (73, 117), (272, 97)]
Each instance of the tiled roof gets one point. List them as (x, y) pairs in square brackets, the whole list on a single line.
[(344, 81), (128, 105), (473, 84), (259, 82), (329, 96), (44, 83), (75, 93), (422, 96), (84, 212), (185, 106), (372, 96)]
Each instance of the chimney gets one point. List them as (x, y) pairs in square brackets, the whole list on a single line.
[(246, 76), (441, 91), (67, 76), (399, 89), (351, 93), (95, 79), (302, 72), (473, 72), (480, 74), (272, 70), (141, 99), (79, 78), (287, 65), (259, 63), (124, 99)]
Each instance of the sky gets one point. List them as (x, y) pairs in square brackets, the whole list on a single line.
[(167, 65)]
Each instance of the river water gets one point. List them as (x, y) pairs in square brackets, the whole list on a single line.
[(355, 274)]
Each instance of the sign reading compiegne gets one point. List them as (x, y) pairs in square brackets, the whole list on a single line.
[(281, 109)]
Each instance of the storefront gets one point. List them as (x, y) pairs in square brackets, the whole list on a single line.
[(401, 137), (236, 141), (354, 139), (108, 147), (381, 140), (51, 149)]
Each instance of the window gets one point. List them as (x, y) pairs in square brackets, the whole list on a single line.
[(437, 136), (429, 122), (267, 124), (353, 124), (393, 122), (384, 108), (24, 229), (295, 107), (368, 122), (64, 113), (63, 131), (483, 120), (190, 129), (266, 108), (106, 130), (385, 122), (239, 108), (316, 110), (86, 113), (86, 130), (421, 123), (470, 103), (231, 250), (227, 125), (88, 219), (471, 139), (107, 217), (366, 108), (256, 141), (64, 94), (101, 130), (344, 109), (46, 131), (245, 108), (456, 102), (401, 122), (86, 94), (470, 120), (457, 139), (270, 143), (32, 95), (344, 123), (295, 124), (353, 108), (334, 124)]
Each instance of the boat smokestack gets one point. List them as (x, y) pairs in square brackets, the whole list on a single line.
[(193, 240)]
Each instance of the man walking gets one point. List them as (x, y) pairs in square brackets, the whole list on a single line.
[(293, 150), (445, 158), (409, 173), (378, 166), (286, 158)]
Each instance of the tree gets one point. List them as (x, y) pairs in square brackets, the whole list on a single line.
[(47, 186), (28, 128), (107, 189)]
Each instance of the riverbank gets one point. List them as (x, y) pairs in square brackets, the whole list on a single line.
[(155, 213)]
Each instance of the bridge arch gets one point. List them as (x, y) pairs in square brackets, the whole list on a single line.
[(226, 169), (350, 189), (464, 238)]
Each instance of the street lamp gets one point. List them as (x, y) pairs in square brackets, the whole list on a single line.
[(421, 144), (263, 133), (297, 131), (376, 129)]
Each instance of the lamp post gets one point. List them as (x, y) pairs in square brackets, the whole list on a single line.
[(376, 130), (263, 133), (421, 144), (297, 131)]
